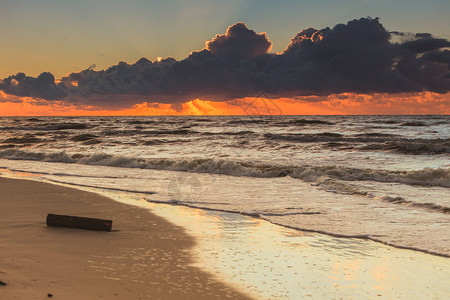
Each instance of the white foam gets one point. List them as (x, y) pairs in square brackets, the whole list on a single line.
[(426, 176), (282, 200)]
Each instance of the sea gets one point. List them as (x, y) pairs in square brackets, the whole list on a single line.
[(373, 178)]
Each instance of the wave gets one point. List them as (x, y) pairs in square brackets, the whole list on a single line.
[(428, 206), (414, 124), (302, 122), (100, 187), (132, 132), (306, 137), (154, 142), (389, 122), (376, 134), (84, 137), (251, 213), (137, 122), (411, 147), (342, 187), (26, 139), (163, 132), (315, 174), (368, 142), (50, 127), (34, 120), (229, 133), (295, 122), (198, 119), (114, 132), (248, 121)]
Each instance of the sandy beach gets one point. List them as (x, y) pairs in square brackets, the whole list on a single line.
[(143, 257)]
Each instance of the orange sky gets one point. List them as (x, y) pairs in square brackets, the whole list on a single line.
[(337, 104)]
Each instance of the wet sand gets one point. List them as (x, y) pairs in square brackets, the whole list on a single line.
[(273, 262), (145, 257)]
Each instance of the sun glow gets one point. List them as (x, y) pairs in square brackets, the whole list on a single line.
[(336, 104)]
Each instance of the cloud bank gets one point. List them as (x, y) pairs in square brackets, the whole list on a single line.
[(358, 57)]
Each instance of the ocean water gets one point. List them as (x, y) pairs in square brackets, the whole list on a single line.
[(385, 178)]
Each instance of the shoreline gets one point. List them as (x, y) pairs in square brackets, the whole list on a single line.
[(331, 234), (145, 256), (403, 227), (251, 255), (275, 262), (304, 229)]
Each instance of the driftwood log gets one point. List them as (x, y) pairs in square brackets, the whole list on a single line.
[(78, 222)]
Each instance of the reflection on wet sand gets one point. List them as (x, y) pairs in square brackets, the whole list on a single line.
[(271, 262), (274, 262)]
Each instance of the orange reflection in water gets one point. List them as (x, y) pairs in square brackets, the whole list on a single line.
[(379, 273), (346, 271)]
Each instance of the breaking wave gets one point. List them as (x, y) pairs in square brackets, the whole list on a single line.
[(315, 174), (428, 206)]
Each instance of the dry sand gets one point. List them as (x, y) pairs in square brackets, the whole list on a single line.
[(145, 257)]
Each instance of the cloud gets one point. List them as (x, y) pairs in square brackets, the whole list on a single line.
[(42, 86), (426, 44), (239, 43), (358, 57)]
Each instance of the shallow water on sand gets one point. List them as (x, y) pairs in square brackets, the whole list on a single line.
[(382, 215), (273, 262)]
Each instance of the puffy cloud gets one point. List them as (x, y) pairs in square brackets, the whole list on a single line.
[(42, 86), (239, 43), (439, 56), (426, 44), (358, 57)]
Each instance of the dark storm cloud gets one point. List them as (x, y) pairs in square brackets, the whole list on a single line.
[(426, 44), (439, 56), (360, 56), (239, 43), (42, 86)]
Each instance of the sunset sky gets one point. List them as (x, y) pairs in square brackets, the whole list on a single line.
[(224, 57)]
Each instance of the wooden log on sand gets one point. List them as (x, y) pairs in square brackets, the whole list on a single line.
[(78, 222)]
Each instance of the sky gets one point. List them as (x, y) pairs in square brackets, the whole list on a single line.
[(65, 37)]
